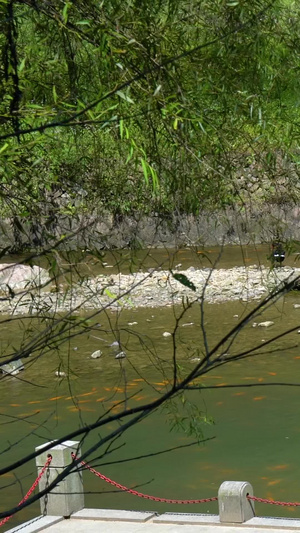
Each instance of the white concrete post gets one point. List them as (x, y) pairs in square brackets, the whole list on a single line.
[(67, 497), (233, 503)]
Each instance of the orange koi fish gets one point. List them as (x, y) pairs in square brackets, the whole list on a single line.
[(258, 398), (55, 398), (274, 482), (278, 467), (86, 394)]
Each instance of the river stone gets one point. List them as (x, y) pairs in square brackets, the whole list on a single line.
[(120, 355), (96, 354), (167, 334), (12, 368), (18, 277), (266, 324), (296, 306)]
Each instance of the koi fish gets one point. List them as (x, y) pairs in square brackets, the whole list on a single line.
[(86, 394), (55, 398), (258, 398), (278, 467)]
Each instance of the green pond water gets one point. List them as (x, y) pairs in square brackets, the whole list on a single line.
[(255, 434)]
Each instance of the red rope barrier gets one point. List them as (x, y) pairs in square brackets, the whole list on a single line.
[(31, 488), (140, 494), (273, 502)]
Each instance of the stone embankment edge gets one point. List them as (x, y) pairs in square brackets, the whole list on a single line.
[(119, 521)]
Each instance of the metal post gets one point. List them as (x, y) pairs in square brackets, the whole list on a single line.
[(67, 497), (234, 506)]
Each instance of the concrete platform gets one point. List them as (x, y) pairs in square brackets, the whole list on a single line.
[(116, 521)]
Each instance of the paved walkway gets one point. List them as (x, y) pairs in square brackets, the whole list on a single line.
[(116, 521)]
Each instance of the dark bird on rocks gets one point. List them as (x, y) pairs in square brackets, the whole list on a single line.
[(277, 254)]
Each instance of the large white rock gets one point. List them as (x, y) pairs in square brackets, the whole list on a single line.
[(96, 354), (266, 324), (17, 277), (12, 368)]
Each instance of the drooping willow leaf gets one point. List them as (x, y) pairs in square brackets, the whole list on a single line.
[(184, 281)]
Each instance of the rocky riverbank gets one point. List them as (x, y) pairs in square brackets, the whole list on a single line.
[(152, 289)]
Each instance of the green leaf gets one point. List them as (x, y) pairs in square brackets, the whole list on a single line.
[(145, 170), (109, 293), (121, 128), (158, 88), (129, 155), (83, 23), (125, 97), (54, 94), (184, 281), (22, 65), (155, 181), (3, 148), (35, 106), (65, 11)]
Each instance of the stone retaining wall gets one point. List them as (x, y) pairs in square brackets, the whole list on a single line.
[(104, 231)]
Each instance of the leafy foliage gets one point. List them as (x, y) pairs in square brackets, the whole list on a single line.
[(148, 106), (184, 280)]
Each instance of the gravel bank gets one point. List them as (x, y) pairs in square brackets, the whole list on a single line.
[(153, 289)]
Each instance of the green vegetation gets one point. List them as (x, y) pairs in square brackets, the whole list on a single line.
[(140, 106)]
